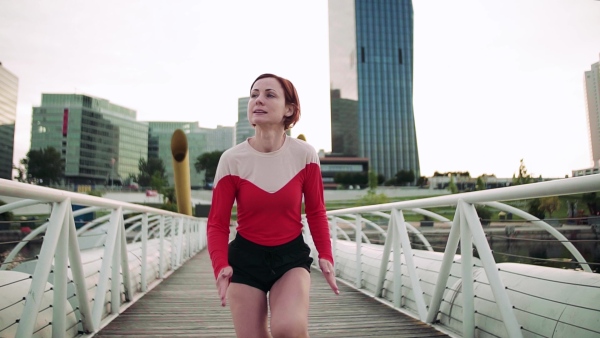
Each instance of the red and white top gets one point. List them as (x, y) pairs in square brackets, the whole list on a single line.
[(268, 189)]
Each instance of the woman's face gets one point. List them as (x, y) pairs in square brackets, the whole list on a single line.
[(267, 103)]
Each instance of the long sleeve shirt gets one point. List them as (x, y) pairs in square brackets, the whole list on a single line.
[(269, 189)]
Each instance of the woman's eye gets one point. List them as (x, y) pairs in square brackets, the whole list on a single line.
[(270, 95)]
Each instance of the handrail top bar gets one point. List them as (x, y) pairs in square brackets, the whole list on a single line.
[(563, 186), (46, 194)]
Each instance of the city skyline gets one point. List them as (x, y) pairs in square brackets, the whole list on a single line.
[(495, 81)]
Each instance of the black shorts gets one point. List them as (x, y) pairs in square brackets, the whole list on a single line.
[(261, 266)]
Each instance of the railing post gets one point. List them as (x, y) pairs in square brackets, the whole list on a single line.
[(466, 254), (109, 249), (447, 261), (173, 244), (358, 234), (197, 235), (201, 231), (410, 263), (79, 278), (397, 254), (34, 297), (179, 241), (161, 259), (188, 236), (115, 281), (505, 307), (334, 238), (59, 309), (387, 248), (144, 262), (125, 264)]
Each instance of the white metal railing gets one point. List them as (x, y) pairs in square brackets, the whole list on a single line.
[(463, 295), (101, 273), (83, 278)]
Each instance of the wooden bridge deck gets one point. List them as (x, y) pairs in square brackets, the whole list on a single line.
[(186, 305)]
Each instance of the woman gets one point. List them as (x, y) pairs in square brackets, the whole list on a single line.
[(268, 175)]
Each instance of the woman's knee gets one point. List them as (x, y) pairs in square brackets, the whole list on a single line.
[(289, 328)]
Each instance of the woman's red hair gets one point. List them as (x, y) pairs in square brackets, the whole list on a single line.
[(291, 98)]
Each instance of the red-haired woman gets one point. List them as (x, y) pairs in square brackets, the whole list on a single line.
[(268, 176)]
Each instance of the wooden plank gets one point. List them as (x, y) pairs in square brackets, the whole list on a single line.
[(187, 305)]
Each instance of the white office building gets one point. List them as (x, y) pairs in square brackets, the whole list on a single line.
[(592, 97)]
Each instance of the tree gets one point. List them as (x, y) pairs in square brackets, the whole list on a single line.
[(372, 198), (5, 216), (591, 202), (524, 177), (422, 181), (159, 182), (149, 169), (549, 204), (535, 208), (452, 186), (208, 162), (347, 179), (372, 180), (480, 185), (43, 166), (302, 137), (21, 172), (484, 214), (405, 177), (453, 173)]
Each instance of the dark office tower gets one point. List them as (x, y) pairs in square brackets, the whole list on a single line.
[(8, 113), (371, 62), (344, 120)]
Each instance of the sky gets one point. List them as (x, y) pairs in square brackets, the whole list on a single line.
[(495, 81)]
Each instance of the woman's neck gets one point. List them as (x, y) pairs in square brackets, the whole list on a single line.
[(267, 141)]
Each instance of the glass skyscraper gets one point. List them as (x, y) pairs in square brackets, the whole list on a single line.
[(100, 142), (243, 128), (371, 63), (9, 85)]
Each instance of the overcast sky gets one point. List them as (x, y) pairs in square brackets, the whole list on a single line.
[(495, 81)]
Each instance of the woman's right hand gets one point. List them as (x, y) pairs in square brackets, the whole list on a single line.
[(223, 280)]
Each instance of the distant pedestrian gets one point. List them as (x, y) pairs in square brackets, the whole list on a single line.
[(269, 176)]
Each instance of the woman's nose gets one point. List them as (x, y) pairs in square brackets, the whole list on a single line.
[(259, 99)]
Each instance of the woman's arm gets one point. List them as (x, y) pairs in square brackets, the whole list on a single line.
[(219, 220), (315, 211)]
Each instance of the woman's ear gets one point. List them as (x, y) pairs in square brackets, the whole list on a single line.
[(289, 110)]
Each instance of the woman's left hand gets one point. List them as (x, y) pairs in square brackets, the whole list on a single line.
[(329, 273)]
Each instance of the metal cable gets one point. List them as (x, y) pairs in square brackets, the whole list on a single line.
[(548, 280), (17, 281), (17, 302), (16, 322), (546, 240), (484, 331), (552, 300), (544, 259)]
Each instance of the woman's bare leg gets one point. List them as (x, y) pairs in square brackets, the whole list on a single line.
[(289, 299), (249, 311)]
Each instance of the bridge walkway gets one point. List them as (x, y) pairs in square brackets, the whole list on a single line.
[(186, 305)]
